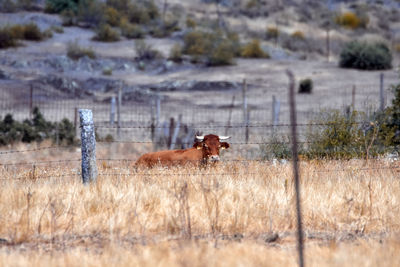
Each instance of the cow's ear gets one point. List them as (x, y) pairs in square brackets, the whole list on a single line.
[(198, 145), (224, 145)]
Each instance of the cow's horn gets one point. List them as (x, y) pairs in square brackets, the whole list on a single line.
[(224, 137), (199, 137)]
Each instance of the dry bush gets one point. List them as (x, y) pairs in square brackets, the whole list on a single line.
[(352, 20), (75, 51), (253, 50), (106, 34), (131, 31)]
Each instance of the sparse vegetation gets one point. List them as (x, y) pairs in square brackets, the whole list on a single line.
[(254, 50), (9, 35), (145, 51), (176, 53), (131, 31), (106, 34), (75, 51), (213, 48), (366, 56)]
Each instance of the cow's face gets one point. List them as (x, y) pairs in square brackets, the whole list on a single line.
[(211, 145)]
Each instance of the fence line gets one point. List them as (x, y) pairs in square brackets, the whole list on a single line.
[(208, 126), (36, 149)]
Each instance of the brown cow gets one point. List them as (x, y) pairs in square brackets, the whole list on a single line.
[(205, 150)]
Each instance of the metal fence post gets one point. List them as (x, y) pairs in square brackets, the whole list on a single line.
[(119, 112), (31, 102), (381, 93), (293, 122), (89, 167), (176, 132), (112, 111)]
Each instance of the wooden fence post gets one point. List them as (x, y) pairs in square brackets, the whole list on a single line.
[(89, 167), (228, 125), (76, 115), (295, 158)]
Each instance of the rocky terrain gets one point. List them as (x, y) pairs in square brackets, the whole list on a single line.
[(189, 88)]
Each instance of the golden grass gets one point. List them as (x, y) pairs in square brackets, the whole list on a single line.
[(199, 217)]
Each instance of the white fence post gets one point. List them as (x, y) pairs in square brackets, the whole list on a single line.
[(89, 167)]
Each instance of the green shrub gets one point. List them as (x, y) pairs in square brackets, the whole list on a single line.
[(253, 50), (168, 26), (213, 48), (391, 119), (37, 129), (68, 18), (113, 17), (222, 54), (142, 12), (190, 23), (106, 34), (75, 52), (131, 31), (58, 6), (91, 13), (278, 147), (306, 86), (342, 136), (196, 43), (145, 51), (366, 56)]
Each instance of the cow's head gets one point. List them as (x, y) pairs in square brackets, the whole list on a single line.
[(210, 145)]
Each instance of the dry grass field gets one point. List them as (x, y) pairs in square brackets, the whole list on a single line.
[(237, 214)]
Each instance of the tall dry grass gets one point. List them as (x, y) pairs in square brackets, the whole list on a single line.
[(222, 216)]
